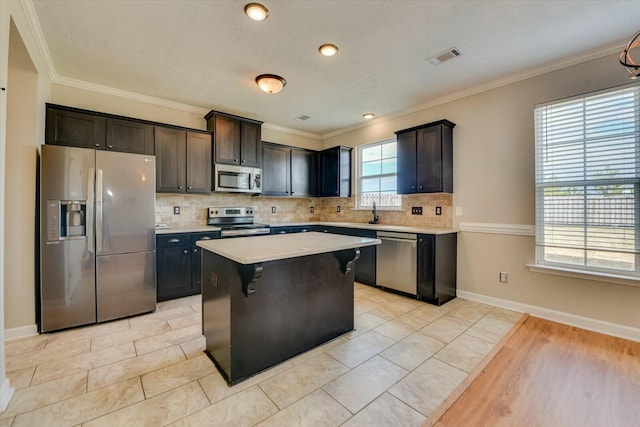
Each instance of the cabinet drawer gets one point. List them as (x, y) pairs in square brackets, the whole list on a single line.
[(208, 235), (169, 240)]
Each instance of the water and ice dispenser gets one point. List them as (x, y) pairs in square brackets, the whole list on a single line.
[(66, 219)]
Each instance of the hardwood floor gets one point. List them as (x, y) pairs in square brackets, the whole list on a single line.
[(549, 374)]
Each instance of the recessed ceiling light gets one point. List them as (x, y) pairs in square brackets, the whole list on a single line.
[(256, 11), (368, 116), (328, 49), (270, 83)]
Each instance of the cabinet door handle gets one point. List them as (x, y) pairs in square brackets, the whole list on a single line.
[(243, 161), (97, 145), (179, 187), (189, 188), (205, 238), (195, 250), (174, 240), (235, 160), (185, 251), (421, 187), (282, 232), (292, 193), (110, 147)]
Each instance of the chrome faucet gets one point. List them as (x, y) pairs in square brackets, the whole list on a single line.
[(376, 218)]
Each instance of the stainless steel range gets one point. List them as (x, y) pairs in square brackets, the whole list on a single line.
[(236, 222)]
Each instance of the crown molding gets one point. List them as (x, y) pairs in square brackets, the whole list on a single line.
[(291, 131), (36, 31), (108, 90), (513, 78)]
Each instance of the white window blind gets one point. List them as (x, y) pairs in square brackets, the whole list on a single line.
[(377, 175), (588, 181)]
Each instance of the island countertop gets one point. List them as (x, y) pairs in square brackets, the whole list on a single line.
[(250, 250)]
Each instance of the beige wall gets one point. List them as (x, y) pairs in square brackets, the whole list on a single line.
[(494, 183), (20, 192)]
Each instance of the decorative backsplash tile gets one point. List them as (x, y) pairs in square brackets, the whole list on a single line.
[(193, 209)]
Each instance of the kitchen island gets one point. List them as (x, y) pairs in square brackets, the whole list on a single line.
[(266, 299)]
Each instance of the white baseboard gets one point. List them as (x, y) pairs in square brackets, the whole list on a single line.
[(588, 323), (20, 332), (6, 391)]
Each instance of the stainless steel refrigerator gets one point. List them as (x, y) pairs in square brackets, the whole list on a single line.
[(97, 236)]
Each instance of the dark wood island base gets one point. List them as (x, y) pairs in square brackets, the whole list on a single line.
[(255, 316)]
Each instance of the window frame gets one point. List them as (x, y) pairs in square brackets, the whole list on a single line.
[(583, 186), (359, 177)]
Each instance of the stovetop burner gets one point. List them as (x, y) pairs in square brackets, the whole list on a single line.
[(236, 222)]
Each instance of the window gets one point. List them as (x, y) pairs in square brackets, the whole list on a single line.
[(588, 182), (377, 175)]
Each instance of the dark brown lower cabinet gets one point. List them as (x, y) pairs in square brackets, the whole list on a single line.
[(178, 264), (437, 254)]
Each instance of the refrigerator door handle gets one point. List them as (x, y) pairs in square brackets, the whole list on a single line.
[(90, 206), (99, 231)]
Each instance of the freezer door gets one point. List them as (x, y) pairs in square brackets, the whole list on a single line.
[(67, 266), (125, 203), (126, 285)]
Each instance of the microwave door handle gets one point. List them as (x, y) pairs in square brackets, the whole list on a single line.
[(250, 182)]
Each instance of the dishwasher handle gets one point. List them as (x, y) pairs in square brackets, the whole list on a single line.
[(395, 239), (395, 235)]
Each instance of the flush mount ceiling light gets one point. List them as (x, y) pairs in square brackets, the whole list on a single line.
[(270, 83), (625, 57), (256, 11), (328, 49), (368, 116)]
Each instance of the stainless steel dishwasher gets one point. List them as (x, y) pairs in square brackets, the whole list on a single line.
[(396, 261)]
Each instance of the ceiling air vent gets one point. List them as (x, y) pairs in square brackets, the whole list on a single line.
[(302, 118), (444, 56)]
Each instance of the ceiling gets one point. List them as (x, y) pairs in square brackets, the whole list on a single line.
[(208, 53)]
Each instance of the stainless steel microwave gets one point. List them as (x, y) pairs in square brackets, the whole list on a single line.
[(238, 179)]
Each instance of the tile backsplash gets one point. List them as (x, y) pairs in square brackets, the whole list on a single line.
[(193, 209)]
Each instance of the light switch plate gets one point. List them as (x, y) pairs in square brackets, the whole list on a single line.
[(176, 210), (416, 210), (273, 209), (438, 210)]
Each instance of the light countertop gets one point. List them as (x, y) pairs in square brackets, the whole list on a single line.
[(377, 227), (250, 250), (192, 229)]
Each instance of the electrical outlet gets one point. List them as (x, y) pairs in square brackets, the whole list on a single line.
[(311, 209), (416, 210), (438, 210), (273, 209), (338, 208), (176, 210), (504, 277)]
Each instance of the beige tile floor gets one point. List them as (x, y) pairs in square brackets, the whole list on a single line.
[(403, 358)]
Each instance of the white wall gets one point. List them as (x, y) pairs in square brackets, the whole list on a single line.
[(494, 183)]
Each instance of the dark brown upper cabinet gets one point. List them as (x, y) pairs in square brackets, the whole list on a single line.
[(334, 167), (183, 161), (74, 128), (425, 158), (87, 129), (237, 140), (304, 172), (276, 170), (129, 136), (288, 171)]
